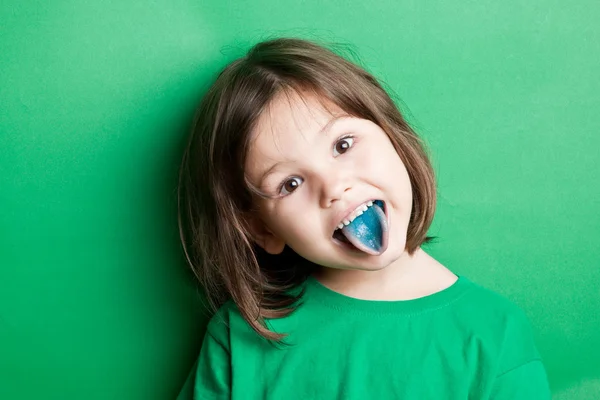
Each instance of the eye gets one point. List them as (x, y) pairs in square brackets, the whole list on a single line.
[(289, 185), (343, 145)]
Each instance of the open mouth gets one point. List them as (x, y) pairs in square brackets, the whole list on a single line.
[(365, 230)]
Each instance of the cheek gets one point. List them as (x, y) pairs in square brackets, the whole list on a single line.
[(286, 221), (379, 159)]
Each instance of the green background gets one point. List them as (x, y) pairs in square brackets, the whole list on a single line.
[(96, 99)]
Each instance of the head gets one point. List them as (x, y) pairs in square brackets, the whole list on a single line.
[(286, 143)]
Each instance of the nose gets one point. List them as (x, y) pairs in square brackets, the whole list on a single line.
[(334, 185)]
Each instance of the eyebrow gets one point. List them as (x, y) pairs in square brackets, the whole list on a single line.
[(324, 130)]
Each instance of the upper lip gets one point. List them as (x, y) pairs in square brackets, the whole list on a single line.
[(342, 215)]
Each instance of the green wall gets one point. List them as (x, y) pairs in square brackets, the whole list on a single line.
[(95, 102)]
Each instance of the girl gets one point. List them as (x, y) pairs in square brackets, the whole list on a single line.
[(305, 198)]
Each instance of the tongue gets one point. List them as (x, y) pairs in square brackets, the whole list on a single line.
[(366, 231)]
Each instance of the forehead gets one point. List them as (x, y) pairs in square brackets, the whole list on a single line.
[(287, 126), (291, 113)]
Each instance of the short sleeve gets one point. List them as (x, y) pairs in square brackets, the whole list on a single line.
[(525, 382), (187, 391), (213, 373), (521, 372)]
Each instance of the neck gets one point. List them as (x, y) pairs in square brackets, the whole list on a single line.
[(408, 277)]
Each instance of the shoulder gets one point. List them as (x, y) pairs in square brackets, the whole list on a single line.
[(493, 306), (496, 317), (219, 325), (227, 326)]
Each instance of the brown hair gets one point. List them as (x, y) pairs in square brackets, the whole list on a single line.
[(214, 196)]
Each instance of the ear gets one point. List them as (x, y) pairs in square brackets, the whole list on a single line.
[(264, 237)]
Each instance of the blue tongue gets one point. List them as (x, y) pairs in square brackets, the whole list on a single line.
[(366, 231)]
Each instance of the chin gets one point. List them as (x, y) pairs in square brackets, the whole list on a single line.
[(367, 262), (377, 263)]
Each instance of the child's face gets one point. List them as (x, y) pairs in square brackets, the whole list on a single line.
[(325, 175)]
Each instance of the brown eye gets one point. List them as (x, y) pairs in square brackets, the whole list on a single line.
[(343, 145), (290, 185)]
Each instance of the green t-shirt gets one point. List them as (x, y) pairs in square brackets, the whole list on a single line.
[(464, 342)]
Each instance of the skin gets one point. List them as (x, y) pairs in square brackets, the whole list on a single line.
[(305, 147)]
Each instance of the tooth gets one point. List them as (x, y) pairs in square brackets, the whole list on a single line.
[(346, 222), (370, 203), (360, 213), (364, 208), (341, 225)]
